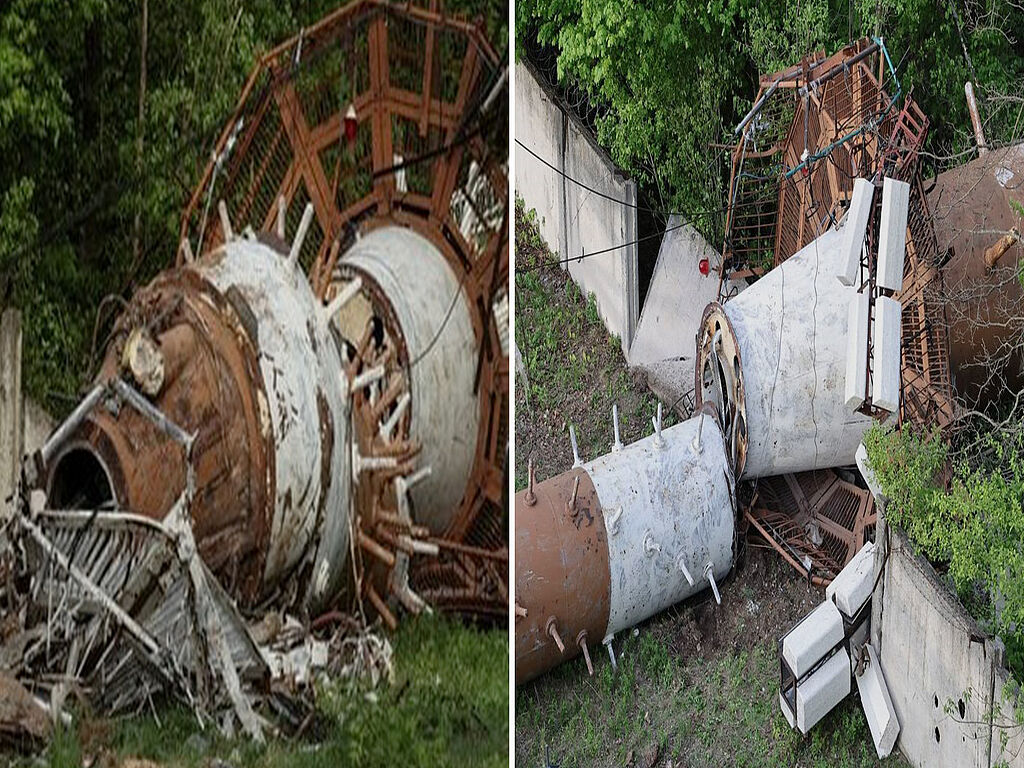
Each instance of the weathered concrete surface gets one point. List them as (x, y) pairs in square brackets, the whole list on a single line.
[(10, 406), (663, 345), (540, 125), (943, 672), (36, 425), (574, 220)]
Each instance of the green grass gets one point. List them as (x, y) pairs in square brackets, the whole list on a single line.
[(696, 712), (447, 706)]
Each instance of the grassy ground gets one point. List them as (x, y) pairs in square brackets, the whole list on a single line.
[(697, 685), (448, 706), (575, 369)]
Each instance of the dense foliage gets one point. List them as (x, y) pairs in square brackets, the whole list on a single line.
[(972, 526), (667, 78), (72, 179)]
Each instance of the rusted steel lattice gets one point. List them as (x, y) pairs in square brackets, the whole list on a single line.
[(814, 129), (383, 115)]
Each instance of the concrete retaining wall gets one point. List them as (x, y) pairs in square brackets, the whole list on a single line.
[(574, 220), (942, 670)]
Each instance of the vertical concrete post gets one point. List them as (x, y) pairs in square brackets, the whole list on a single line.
[(10, 407)]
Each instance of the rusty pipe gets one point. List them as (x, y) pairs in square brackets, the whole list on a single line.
[(613, 559), (994, 253)]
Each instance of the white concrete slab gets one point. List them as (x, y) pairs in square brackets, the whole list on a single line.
[(851, 588), (676, 298), (885, 367), (892, 234), (857, 350), (812, 638), (820, 692), (878, 708), (853, 232)]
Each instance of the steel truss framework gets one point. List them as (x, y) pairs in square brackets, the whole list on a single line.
[(816, 127), (379, 115)]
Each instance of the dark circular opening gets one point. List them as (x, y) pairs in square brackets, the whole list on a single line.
[(79, 482), (937, 739), (963, 709), (378, 332)]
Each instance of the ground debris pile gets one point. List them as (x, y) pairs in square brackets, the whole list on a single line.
[(117, 613)]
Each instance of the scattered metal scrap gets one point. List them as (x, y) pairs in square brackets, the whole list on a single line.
[(282, 434)]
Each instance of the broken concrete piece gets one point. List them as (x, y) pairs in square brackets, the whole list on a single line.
[(816, 634), (878, 708), (821, 691), (852, 587)]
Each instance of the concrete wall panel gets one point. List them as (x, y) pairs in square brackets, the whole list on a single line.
[(573, 219)]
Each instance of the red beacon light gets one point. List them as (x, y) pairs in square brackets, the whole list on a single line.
[(704, 266), (351, 124)]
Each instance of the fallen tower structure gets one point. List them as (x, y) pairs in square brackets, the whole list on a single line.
[(303, 418)]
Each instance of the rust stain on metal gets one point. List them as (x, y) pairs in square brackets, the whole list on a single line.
[(563, 579), (212, 386)]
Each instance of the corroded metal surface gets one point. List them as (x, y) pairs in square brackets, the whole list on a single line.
[(971, 206), (604, 546), (427, 157), (563, 581), (213, 384), (817, 521)]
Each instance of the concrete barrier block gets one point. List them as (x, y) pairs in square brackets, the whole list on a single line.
[(820, 692), (878, 708), (857, 350), (853, 231), (851, 588), (892, 234), (885, 367), (808, 642)]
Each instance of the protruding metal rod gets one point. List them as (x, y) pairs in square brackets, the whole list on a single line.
[(71, 423), (575, 491), (372, 547), (520, 611), (617, 446), (696, 440), (531, 497), (611, 652), (681, 565), (657, 426), (581, 641), (388, 426), (225, 221), (366, 378), (186, 250), (576, 461), (300, 236), (420, 474), (972, 107), (553, 631), (345, 295), (282, 213), (709, 572)]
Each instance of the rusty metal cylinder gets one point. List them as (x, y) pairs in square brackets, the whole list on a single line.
[(773, 362), (621, 538), (235, 350)]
